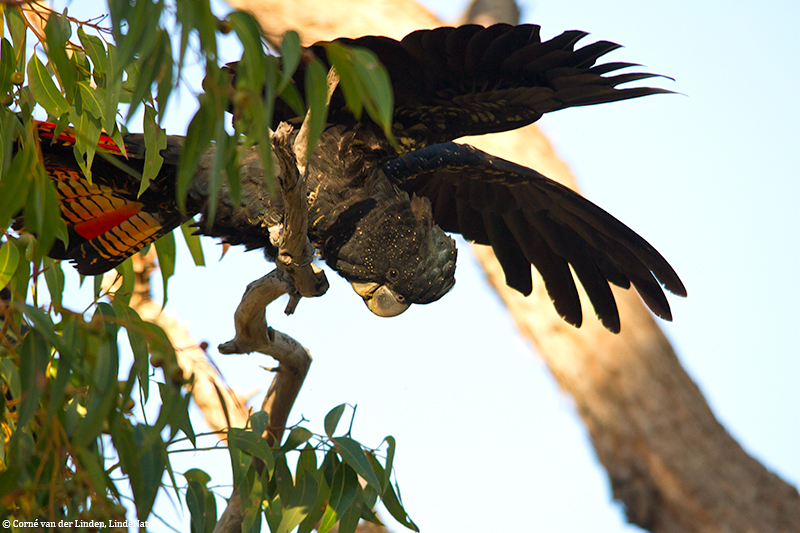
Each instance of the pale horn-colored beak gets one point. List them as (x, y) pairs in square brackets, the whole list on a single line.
[(380, 299)]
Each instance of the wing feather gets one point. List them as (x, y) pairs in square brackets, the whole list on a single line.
[(553, 268), (451, 82), (516, 267), (529, 219)]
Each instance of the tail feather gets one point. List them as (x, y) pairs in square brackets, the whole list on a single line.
[(106, 220)]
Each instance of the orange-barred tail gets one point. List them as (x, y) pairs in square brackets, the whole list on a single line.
[(107, 220)]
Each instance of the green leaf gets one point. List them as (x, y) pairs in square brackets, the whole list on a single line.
[(44, 89), (53, 226), (93, 46), (15, 184), (395, 508), (240, 461), (319, 506), (217, 164), (253, 444), (98, 285), (317, 100), (57, 33), (87, 135), (259, 421), (343, 488), (330, 464), (90, 101), (196, 502), (283, 480), (155, 140), (142, 19), (198, 476), (349, 519), (290, 58), (200, 501), (332, 419), (103, 392), (54, 276), (329, 520), (153, 68), (378, 85), (7, 60), (392, 445), (297, 500), (9, 257), (143, 456), (365, 82), (199, 17), (21, 279), (249, 33), (135, 328), (165, 248), (165, 78), (41, 322), (307, 462), (19, 30), (193, 243), (112, 96), (34, 356), (197, 141), (175, 410), (291, 96), (381, 473), (125, 291), (273, 512), (73, 340), (91, 462), (292, 516), (305, 498), (353, 454), (297, 436), (341, 58)]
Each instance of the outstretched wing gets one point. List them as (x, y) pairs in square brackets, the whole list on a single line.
[(529, 219), (451, 82), (106, 221)]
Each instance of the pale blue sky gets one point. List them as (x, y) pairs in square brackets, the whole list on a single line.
[(486, 441)]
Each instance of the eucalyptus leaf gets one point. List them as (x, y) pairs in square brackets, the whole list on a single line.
[(165, 248), (317, 100), (155, 140), (332, 419), (9, 258), (44, 89), (353, 455), (193, 243), (57, 33)]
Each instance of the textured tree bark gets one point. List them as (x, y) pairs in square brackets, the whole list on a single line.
[(670, 462)]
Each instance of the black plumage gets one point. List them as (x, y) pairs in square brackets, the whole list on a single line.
[(379, 218)]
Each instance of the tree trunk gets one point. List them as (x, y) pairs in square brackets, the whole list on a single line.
[(672, 465)]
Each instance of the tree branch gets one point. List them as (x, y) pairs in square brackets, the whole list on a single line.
[(295, 275)]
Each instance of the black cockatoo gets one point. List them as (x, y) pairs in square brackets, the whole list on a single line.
[(379, 217)]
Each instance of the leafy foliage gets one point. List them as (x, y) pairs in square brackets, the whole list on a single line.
[(323, 492), (71, 440)]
